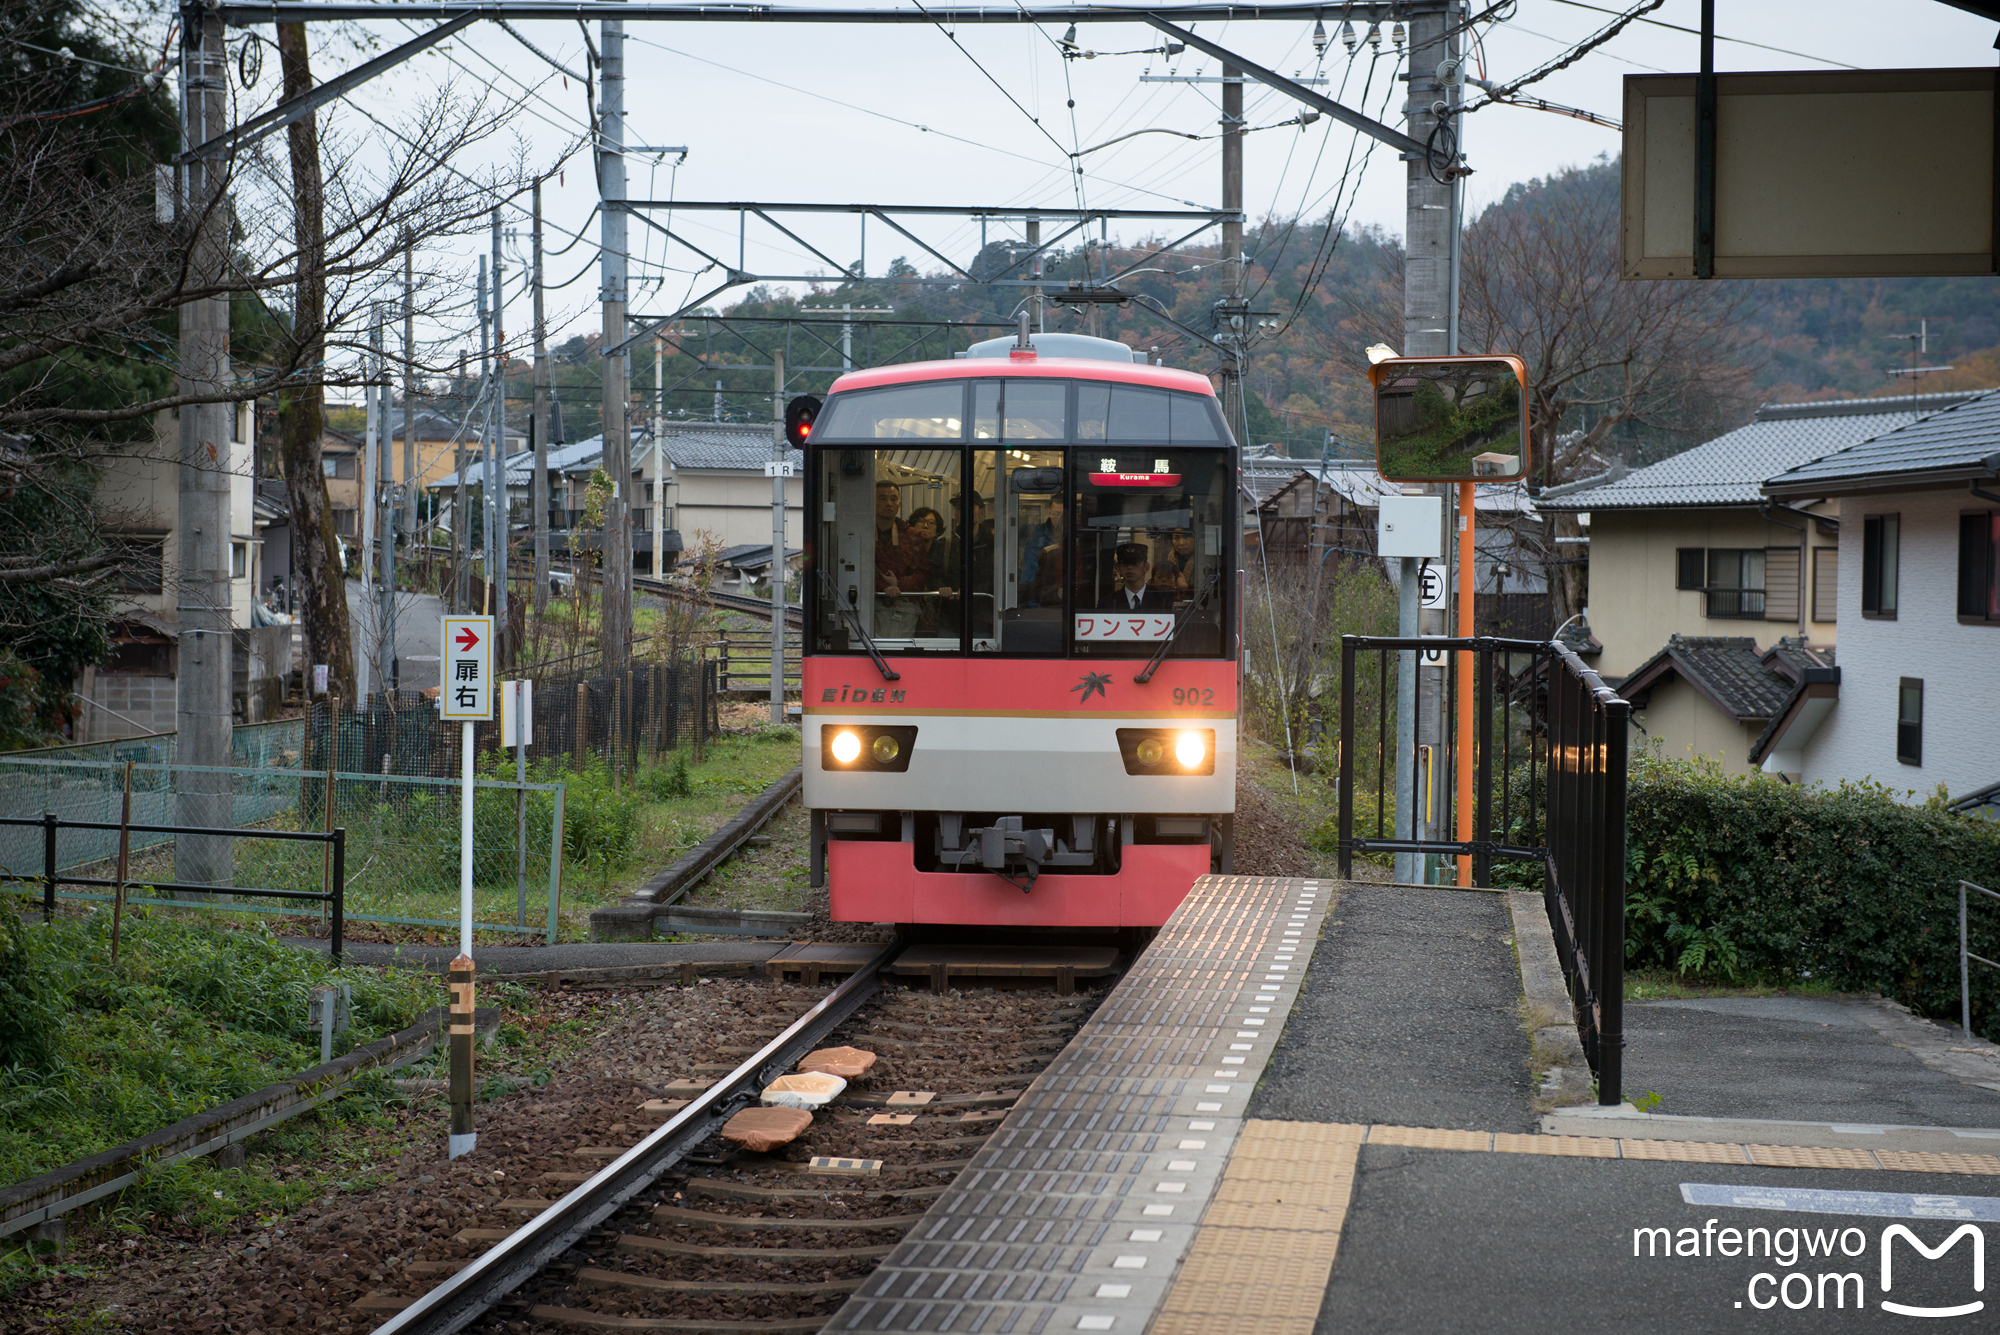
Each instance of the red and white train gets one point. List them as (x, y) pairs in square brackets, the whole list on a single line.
[(1021, 631)]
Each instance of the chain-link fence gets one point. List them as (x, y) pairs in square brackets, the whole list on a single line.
[(402, 842)]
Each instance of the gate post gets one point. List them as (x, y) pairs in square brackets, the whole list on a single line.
[(1611, 1031), (1346, 797)]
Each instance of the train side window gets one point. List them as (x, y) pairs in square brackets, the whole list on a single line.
[(888, 519)]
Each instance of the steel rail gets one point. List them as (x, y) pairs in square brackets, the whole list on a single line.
[(522, 1254), (727, 601)]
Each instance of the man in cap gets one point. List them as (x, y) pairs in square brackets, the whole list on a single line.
[(1132, 563)]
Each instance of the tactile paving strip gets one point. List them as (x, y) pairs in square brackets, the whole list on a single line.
[(1076, 1213)]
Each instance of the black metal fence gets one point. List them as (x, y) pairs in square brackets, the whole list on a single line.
[(1549, 756), (332, 892)]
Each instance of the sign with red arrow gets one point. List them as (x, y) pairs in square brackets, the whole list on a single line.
[(465, 686)]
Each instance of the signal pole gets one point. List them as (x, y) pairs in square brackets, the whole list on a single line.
[(617, 573), (779, 455)]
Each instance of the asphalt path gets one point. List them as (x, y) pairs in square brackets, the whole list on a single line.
[(1439, 1242), (1409, 1015), (1788, 1058), (416, 635)]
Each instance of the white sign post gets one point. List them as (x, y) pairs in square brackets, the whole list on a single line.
[(517, 729), (466, 694)]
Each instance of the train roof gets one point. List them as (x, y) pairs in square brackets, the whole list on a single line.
[(1066, 368)]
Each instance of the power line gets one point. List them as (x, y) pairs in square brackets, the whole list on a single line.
[(1696, 32)]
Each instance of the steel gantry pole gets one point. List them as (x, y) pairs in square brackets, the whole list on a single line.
[(617, 573), (202, 715)]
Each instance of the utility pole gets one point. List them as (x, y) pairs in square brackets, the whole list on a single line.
[(202, 714), (658, 508), (385, 500), (370, 633), (410, 479), (461, 532), (1236, 328), (1427, 320), (485, 438), (615, 633), (780, 455), (496, 472), (538, 489)]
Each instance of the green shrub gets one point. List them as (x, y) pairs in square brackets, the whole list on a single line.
[(1745, 877), (600, 827), (665, 783)]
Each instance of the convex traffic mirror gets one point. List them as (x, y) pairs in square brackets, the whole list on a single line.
[(1450, 419)]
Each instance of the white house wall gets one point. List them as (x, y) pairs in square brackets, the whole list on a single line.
[(1959, 664)]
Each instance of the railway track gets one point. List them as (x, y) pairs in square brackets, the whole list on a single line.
[(733, 602), (684, 1232)]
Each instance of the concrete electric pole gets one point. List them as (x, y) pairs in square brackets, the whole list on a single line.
[(617, 573), (496, 472), (202, 715), (1235, 326), (1427, 332), (538, 488)]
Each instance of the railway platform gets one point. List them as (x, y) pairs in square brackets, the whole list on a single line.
[(1313, 1107)]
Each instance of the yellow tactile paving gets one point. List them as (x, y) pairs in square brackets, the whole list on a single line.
[(1208, 1323), (1683, 1151), (1430, 1138), (1924, 1161), (1269, 1235), (1810, 1156), (1564, 1147)]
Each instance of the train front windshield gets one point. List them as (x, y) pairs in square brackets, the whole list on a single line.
[(1038, 516)]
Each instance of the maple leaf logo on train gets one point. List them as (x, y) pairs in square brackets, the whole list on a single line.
[(1093, 683)]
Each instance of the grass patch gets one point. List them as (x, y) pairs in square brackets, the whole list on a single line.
[(1666, 985), (194, 1014)]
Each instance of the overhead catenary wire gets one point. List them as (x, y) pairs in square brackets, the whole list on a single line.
[(1568, 58)]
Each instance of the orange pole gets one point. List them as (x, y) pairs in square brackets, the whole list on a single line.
[(1466, 678)]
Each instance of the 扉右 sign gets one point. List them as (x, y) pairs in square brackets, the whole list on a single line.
[(466, 658)]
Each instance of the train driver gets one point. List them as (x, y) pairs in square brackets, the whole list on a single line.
[(1132, 563)]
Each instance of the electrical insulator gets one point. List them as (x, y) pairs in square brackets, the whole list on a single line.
[(1375, 36), (1069, 39), (1396, 35), (1319, 38), (1347, 38)]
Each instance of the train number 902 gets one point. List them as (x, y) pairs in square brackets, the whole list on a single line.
[(1194, 695)]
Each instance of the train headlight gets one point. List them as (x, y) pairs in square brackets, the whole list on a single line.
[(867, 748), (1167, 752)]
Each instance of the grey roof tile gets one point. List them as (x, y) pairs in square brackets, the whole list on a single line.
[(1731, 469), (1726, 668), (1958, 439)]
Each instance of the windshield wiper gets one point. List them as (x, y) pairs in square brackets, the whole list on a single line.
[(853, 618), (1180, 622)]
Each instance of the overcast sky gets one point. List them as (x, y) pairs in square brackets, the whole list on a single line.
[(899, 114)]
